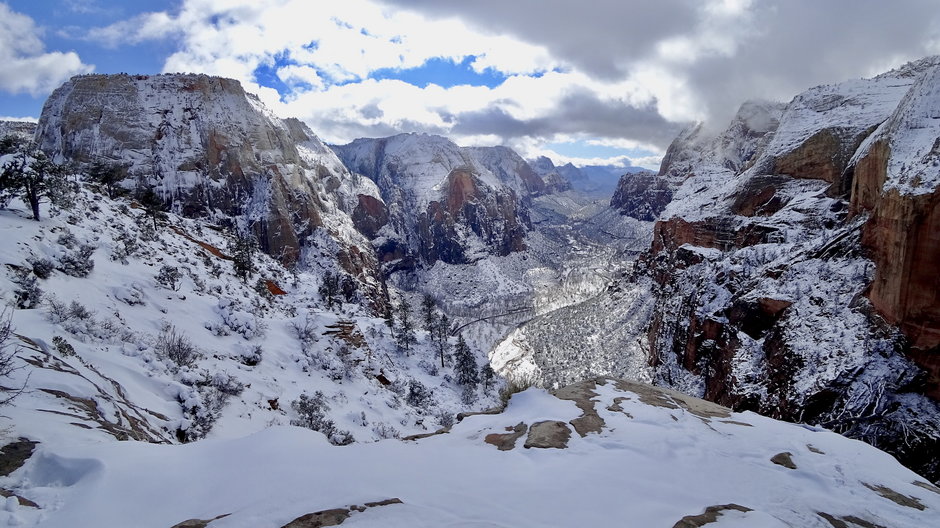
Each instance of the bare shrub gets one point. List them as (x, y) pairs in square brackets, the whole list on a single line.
[(176, 347)]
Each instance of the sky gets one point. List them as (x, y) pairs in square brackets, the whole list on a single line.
[(591, 82)]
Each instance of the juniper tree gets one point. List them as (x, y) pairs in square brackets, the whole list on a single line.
[(34, 177), (107, 175), (465, 365), (169, 277), (150, 201)]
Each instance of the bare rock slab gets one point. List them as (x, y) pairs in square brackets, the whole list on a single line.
[(548, 434)]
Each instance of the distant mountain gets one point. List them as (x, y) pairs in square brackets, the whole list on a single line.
[(444, 202), (597, 180)]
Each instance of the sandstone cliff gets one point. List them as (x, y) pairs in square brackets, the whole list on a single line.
[(210, 149), (445, 203), (764, 260)]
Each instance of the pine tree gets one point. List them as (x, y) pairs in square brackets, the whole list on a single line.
[(465, 365), (243, 256), (330, 288), (406, 329), (440, 333), (428, 312), (487, 376)]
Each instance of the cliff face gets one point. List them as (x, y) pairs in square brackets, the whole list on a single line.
[(794, 271), (642, 195), (445, 203), (211, 150), (897, 182)]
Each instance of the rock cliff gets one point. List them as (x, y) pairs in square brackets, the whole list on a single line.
[(795, 269), (445, 203), (793, 272), (209, 149)]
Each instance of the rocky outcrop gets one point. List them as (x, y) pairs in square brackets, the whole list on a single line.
[(766, 297), (210, 149), (642, 195), (21, 129), (897, 181), (442, 202)]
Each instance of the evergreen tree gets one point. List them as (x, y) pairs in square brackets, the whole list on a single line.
[(330, 288), (107, 175), (406, 329), (150, 201), (34, 177), (428, 312), (465, 365), (440, 333), (243, 250), (487, 376)]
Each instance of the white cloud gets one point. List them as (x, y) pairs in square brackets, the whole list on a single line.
[(27, 67), (146, 26), (19, 119), (613, 72)]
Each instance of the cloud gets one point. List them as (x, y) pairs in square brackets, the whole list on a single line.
[(27, 67), (19, 119), (140, 28), (612, 72), (701, 59)]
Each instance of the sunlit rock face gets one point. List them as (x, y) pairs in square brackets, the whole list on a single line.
[(446, 203), (209, 149)]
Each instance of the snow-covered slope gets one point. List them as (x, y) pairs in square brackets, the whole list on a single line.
[(126, 331), (600, 453)]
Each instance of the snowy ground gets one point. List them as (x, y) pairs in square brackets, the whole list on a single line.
[(91, 348), (654, 459)]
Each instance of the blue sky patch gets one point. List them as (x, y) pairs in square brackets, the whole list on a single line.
[(443, 72)]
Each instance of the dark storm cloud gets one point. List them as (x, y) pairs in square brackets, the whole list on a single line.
[(576, 114), (595, 35)]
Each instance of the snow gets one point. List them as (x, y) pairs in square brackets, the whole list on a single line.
[(135, 390), (914, 162), (650, 464)]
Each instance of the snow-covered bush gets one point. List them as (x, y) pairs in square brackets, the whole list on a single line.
[(42, 267), (176, 347), (77, 261), (311, 413), (251, 356), (125, 245), (385, 431), (27, 294), (169, 277), (201, 406), (305, 329), (7, 357), (62, 346), (234, 319), (418, 395), (431, 367)]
